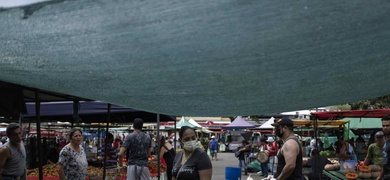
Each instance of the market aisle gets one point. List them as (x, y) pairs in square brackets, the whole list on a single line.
[(227, 159)]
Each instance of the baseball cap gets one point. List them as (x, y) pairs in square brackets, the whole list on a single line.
[(270, 139), (212, 137), (284, 122)]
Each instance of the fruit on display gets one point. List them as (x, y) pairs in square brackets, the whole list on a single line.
[(94, 171), (49, 170), (351, 175), (364, 168), (329, 167), (336, 166), (364, 175), (153, 167), (327, 153), (376, 174), (375, 168)]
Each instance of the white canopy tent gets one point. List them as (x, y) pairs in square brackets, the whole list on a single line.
[(267, 125)]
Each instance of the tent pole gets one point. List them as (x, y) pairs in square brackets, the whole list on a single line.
[(158, 146), (38, 128), (174, 137), (106, 140)]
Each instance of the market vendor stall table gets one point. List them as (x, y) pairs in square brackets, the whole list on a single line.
[(338, 175)]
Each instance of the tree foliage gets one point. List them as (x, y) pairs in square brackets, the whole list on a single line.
[(377, 103)]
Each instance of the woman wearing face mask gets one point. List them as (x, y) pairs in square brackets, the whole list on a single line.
[(191, 163)]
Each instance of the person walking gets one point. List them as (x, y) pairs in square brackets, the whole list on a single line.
[(243, 159), (138, 144), (205, 142), (191, 163), (214, 148), (271, 150), (264, 165), (385, 173), (72, 162), (13, 155), (375, 151), (290, 155)]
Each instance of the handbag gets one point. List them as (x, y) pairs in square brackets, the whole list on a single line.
[(237, 153)]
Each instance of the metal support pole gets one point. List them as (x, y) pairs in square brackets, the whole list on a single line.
[(106, 141), (38, 124), (158, 146)]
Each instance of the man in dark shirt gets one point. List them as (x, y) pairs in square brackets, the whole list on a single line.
[(290, 155), (339, 144), (109, 155), (138, 144), (244, 150), (317, 164), (54, 154)]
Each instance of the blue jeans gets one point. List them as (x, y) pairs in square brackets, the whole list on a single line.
[(242, 164), (271, 162), (264, 169)]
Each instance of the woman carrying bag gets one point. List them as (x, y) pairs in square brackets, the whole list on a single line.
[(191, 163)]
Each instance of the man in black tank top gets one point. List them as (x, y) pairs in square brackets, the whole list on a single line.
[(290, 155)]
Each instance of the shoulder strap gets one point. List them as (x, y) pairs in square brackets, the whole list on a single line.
[(168, 151), (189, 159)]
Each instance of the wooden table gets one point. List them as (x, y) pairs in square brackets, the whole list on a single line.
[(338, 175)]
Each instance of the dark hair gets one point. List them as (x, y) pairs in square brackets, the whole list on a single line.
[(244, 141), (11, 128), (183, 129), (72, 131), (386, 118), (315, 152), (162, 141), (263, 140), (138, 123), (110, 136)]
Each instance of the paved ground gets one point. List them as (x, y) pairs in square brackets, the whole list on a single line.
[(227, 159)]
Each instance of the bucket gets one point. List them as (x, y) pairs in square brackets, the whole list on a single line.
[(351, 164), (232, 173)]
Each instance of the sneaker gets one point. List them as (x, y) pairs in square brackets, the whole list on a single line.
[(259, 173)]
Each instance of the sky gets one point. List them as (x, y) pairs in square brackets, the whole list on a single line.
[(18, 3)]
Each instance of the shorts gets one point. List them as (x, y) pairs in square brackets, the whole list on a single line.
[(213, 151), (141, 171)]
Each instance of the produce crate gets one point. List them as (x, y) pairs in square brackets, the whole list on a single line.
[(44, 178)]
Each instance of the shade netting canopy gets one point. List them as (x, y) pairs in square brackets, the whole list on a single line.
[(364, 123), (199, 58)]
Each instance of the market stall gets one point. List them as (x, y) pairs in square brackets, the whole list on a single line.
[(50, 172)]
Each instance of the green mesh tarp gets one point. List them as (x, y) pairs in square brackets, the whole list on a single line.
[(364, 123), (200, 58)]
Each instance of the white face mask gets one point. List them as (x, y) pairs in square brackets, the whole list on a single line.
[(190, 145)]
